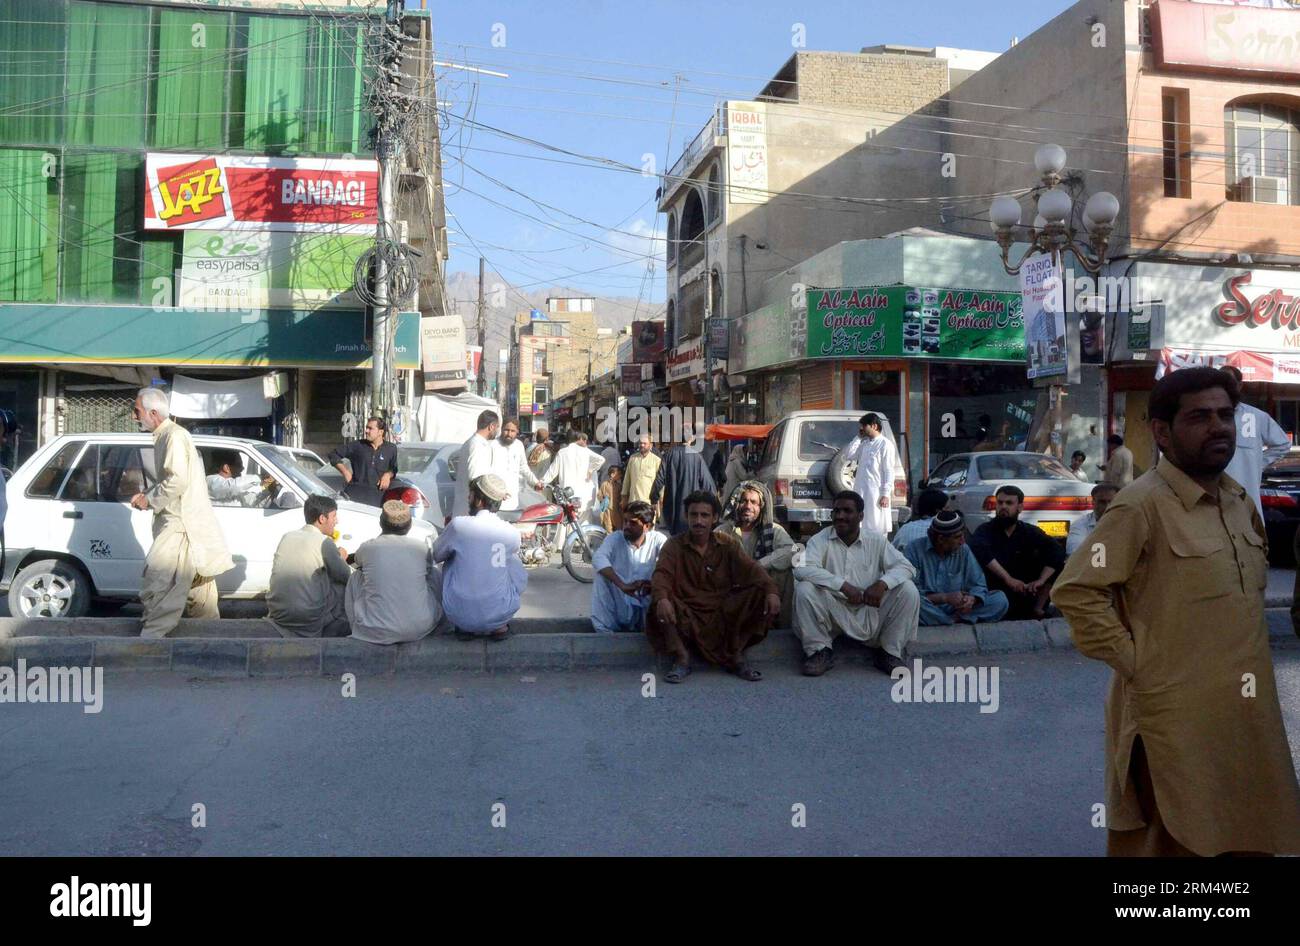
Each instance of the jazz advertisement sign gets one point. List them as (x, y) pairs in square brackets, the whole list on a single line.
[(225, 192), (909, 322)]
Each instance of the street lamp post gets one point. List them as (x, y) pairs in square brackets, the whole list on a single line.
[(1053, 234)]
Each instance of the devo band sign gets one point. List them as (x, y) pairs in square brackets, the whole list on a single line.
[(222, 192)]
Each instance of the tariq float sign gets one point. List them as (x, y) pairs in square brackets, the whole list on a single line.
[(224, 192)]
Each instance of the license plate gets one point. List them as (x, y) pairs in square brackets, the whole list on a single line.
[(806, 490), (822, 515), (1055, 528)]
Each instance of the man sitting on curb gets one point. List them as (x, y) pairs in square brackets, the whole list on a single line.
[(1082, 527), (928, 505), (709, 595), (623, 564), (949, 579), (389, 598), (750, 522), (309, 577), (1018, 558), (482, 579), (853, 581)]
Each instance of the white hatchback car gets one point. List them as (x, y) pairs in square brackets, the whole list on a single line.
[(72, 536)]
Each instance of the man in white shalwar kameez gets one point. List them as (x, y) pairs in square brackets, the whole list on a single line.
[(875, 455), (575, 466), (1261, 441), (474, 460), (852, 581), (624, 565), (510, 462), (188, 550)]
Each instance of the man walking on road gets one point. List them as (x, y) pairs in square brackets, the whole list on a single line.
[(510, 462), (707, 595), (371, 464), (575, 467), (188, 550), (852, 581), (474, 460), (682, 473), (1172, 599), (876, 456), (642, 467), (1260, 442), (309, 576)]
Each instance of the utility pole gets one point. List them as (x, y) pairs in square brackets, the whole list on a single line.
[(386, 145), (482, 364)]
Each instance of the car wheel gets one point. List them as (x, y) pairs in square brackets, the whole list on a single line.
[(49, 589), (840, 473)]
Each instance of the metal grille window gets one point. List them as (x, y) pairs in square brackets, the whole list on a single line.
[(102, 412)]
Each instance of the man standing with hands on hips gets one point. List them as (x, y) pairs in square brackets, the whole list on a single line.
[(1170, 593), (372, 464)]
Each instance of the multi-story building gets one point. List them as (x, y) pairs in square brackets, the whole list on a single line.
[(776, 179), (186, 189)]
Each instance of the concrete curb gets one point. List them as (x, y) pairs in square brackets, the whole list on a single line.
[(205, 655)]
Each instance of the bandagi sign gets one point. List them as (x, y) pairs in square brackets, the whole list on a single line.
[(222, 192)]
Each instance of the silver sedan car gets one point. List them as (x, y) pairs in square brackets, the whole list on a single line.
[(1054, 497)]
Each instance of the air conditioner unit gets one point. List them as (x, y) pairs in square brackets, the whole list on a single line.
[(1264, 190)]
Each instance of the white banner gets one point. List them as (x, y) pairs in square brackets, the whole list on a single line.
[(747, 152)]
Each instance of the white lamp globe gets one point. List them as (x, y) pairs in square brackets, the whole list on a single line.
[(1049, 159), (1101, 209), (1055, 205), (1004, 212)]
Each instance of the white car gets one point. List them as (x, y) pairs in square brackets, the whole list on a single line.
[(72, 536)]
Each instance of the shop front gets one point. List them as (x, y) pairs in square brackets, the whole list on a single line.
[(1207, 315)]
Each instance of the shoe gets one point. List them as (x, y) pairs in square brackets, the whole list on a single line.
[(886, 662), (819, 663)]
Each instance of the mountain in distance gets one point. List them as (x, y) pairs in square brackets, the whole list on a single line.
[(612, 312)]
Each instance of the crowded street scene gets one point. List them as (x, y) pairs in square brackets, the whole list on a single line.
[(490, 431)]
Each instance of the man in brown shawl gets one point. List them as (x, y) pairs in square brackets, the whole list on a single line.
[(1169, 591), (748, 519), (708, 595)]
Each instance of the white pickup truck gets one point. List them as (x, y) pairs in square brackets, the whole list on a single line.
[(71, 535)]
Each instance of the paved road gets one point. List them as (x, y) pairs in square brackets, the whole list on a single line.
[(582, 762), (550, 593)]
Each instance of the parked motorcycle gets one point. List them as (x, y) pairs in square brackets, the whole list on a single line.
[(545, 528)]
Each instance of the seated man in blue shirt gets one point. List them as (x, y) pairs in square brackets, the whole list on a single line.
[(949, 577)]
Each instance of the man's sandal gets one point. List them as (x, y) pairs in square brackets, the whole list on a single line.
[(679, 673), (746, 672)]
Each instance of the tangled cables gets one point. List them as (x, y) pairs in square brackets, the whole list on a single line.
[(399, 271)]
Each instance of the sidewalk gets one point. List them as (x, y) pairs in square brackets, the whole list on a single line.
[(252, 648)]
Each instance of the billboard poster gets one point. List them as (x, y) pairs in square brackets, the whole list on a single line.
[(526, 398), (442, 346), (630, 378), (747, 152), (473, 361), (1045, 341), (912, 322), (269, 270), (226, 192), (647, 342)]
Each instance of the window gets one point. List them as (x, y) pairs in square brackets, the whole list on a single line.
[(107, 74), (822, 439), (29, 227), (46, 484), (33, 34), (1175, 143), (539, 362), (1144, 23), (1263, 164), (247, 485), (107, 255), (772, 449), (1013, 466), (672, 239), (670, 325), (124, 470), (714, 208), (540, 395), (978, 407), (190, 94), (949, 474)]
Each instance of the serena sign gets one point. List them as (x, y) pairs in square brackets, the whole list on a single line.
[(1204, 37)]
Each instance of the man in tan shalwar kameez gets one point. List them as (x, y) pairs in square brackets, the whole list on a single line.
[(1169, 591), (708, 595), (188, 549)]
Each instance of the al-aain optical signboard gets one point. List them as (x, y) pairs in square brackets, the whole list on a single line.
[(223, 192)]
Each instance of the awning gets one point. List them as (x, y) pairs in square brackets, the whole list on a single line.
[(1267, 367), (193, 398), (737, 431)]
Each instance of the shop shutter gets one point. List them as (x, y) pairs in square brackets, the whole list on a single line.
[(817, 393)]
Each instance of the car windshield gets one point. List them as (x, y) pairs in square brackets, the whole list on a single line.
[(821, 439), (1022, 466), (308, 482), (415, 459)]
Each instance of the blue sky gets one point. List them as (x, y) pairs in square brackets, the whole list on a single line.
[(601, 79)]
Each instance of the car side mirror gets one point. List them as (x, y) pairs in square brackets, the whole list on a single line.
[(287, 500)]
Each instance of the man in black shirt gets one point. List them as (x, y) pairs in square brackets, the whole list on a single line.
[(1017, 557), (374, 464)]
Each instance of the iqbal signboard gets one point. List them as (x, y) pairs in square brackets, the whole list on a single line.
[(225, 192), (910, 322)]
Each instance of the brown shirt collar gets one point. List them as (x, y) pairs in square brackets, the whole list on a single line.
[(1188, 491)]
